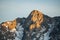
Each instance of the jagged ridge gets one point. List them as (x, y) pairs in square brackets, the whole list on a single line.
[(32, 28)]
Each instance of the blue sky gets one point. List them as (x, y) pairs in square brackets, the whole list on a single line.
[(11, 9)]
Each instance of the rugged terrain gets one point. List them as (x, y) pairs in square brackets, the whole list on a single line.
[(37, 26)]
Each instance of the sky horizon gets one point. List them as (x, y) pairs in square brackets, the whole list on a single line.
[(11, 9)]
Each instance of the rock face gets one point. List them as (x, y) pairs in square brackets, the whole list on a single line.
[(55, 33), (12, 30), (34, 27)]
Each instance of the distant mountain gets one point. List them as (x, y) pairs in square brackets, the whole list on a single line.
[(37, 26)]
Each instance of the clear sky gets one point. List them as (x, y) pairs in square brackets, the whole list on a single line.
[(11, 9)]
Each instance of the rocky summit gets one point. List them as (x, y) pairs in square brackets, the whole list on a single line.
[(37, 26)]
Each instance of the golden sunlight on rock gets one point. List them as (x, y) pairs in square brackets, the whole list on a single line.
[(37, 18), (9, 24)]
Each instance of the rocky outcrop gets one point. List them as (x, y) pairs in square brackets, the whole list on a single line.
[(36, 25), (10, 29)]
